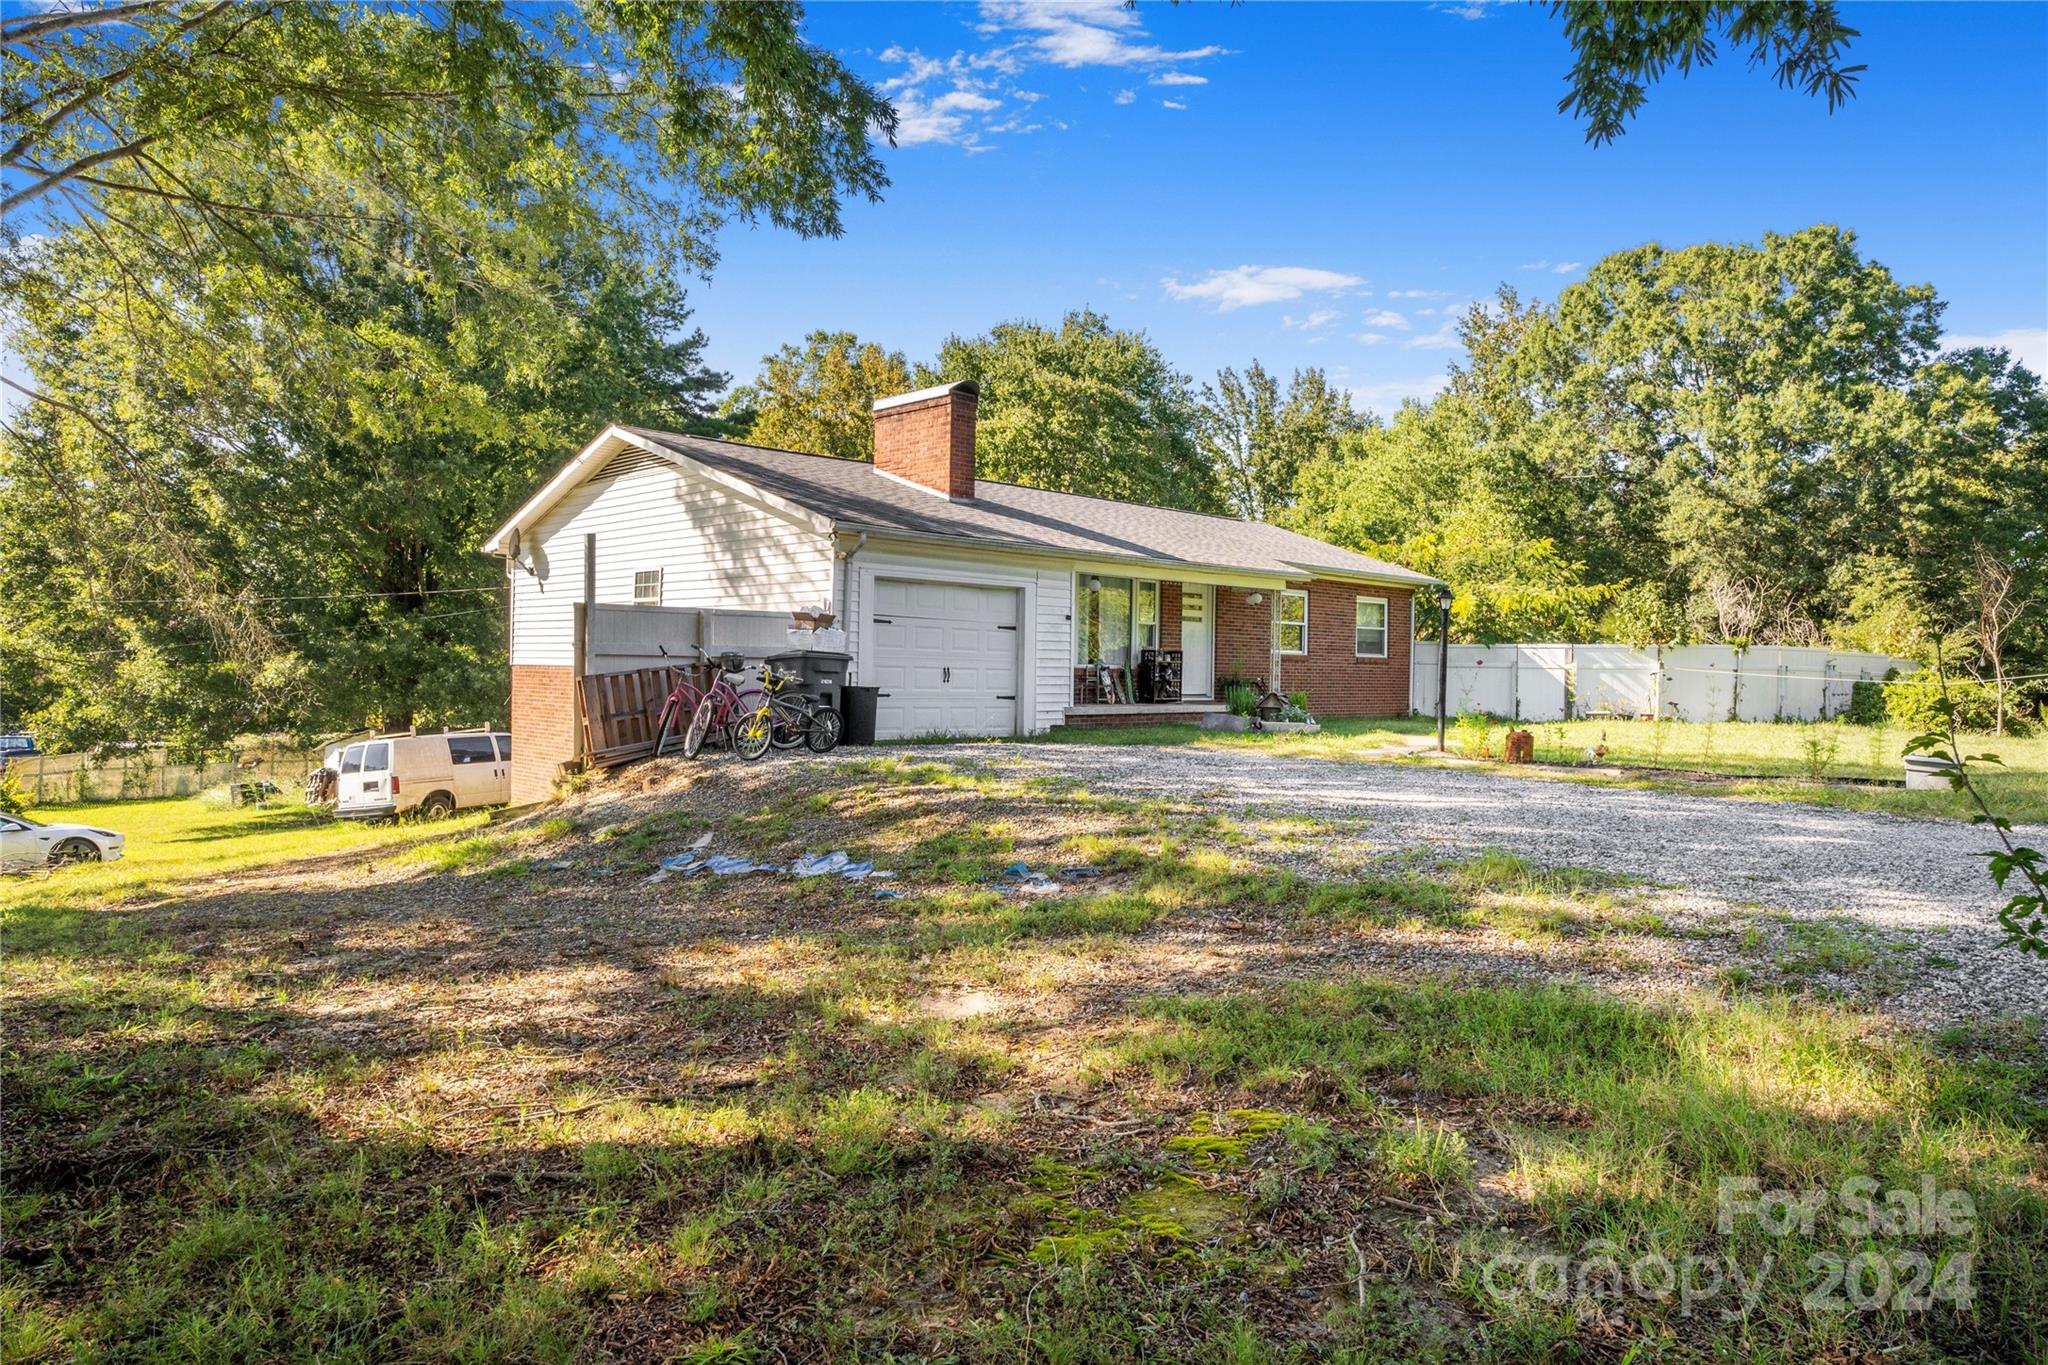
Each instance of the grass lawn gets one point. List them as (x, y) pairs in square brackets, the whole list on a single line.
[(304, 1092), (1785, 762), (176, 840)]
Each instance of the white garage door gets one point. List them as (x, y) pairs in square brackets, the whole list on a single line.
[(945, 657)]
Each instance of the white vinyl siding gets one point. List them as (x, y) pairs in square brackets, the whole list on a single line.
[(1290, 621), (1369, 635), (713, 547)]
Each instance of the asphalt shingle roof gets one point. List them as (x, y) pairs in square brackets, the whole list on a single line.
[(856, 497)]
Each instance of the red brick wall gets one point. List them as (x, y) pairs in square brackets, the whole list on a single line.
[(1169, 615), (543, 728), (930, 443), (1244, 635), (1337, 681)]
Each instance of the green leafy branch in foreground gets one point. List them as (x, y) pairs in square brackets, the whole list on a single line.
[(2024, 917)]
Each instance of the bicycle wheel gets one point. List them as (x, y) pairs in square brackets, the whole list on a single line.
[(788, 730), (753, 734), (700, 726), (672, 711), (823, 732)]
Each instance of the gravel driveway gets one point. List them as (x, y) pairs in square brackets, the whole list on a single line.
[(1890, 873)]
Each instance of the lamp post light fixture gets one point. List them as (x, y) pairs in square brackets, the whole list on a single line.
[(1443, 658)]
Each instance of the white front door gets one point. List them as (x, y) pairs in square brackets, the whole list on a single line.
[(1197, 640), (945, 658)]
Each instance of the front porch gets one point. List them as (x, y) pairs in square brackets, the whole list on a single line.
[(1146, 650), (1098, 715)]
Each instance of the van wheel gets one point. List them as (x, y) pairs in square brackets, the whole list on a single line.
[(439, 806)]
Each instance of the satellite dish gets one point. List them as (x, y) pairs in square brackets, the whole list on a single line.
[(512, 545)]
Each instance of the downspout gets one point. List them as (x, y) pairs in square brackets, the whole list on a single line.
[(844, 588)]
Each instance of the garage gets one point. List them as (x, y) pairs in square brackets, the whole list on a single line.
[(945, 658)]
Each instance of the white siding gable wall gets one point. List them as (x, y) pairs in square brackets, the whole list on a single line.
[(714, 546)]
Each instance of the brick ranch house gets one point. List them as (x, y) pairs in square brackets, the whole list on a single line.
[(977, 607)]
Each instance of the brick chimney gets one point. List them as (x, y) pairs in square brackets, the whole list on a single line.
[(927, 438)]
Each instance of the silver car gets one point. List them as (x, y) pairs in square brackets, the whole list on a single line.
[(29, 845)]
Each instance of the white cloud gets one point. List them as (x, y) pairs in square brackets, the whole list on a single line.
[(1536, 265), (1249, 285), (1386, 317), (1074, 33), (964, 99), (957, 100), (1418, 293), (1321, 317), (1567, 267), (1444, 338), (917, 122), (2029, 345), (1369, 338)]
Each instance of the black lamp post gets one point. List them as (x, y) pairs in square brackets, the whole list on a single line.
[(1443, 658)]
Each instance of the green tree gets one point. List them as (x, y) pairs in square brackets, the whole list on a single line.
[(1746, 442), (312, 291), (1417, 492), (1622, 49), (1257, 440), (320, 570), (819, 397), (1082, 408)]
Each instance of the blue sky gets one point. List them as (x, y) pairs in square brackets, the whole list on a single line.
[(1323, 184)]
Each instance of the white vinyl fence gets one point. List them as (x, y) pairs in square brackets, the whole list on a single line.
[(1689, 682), (619, 639)]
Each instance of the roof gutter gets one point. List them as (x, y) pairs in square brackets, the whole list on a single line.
[(1062, 555)]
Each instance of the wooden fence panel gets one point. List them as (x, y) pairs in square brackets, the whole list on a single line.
[(622, 714)]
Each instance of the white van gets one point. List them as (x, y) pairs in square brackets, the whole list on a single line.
[(435, 775)]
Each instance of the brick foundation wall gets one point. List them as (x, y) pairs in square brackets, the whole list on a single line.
[(1137, 715), (1337, 681), (543, 728), (930, 442)]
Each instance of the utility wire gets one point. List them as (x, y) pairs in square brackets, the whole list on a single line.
[(311, 596)]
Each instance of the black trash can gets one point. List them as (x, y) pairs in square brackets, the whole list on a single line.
[(857, 711), (823, 671)]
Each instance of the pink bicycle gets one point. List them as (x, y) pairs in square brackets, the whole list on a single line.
[(697, 712)]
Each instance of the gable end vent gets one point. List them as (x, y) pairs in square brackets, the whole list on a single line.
[(631, 462)]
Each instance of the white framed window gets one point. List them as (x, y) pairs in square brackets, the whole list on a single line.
[(1290, 621), (1370, 638), (1146, 606), (647, 588), (1102, 621)]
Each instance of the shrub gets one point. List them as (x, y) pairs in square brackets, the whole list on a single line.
[(1866, 700), (1241, 700), (1475, 734), (13, 800), (1915, 703), (1818, 747)]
